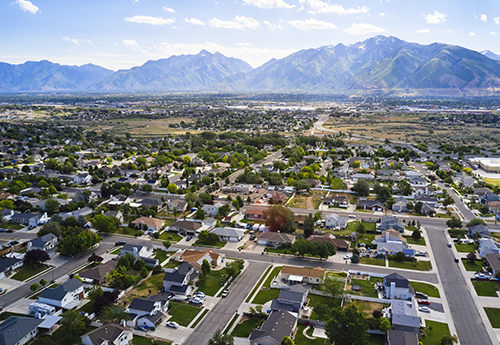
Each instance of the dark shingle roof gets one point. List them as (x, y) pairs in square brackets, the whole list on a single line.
[(7, 262), (186, 225), (401, 338), (179, 274), (108, 332), (279, 324), (99, 272), (41, 241), (142, 304), (16, 328), (59, 292), (396, 278)]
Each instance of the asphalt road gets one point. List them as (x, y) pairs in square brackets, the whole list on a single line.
[(224, 311)]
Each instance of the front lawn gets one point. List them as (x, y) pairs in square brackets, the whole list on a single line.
[(244, 329), (128, 231), (161, 255), (216, 244), (138, 340), (116, 251), (434, 333), (367, 287), (273, 274), (213, 282), (428, 289), (486, 288), (29, 271), (279, 250), (476, 266), (376, 339), (420, 242), (11, 226), (465, 247), (266, 295), (493, 316), (410, 265), (182, 313), (372, 261), (172, 236), (457, 233)]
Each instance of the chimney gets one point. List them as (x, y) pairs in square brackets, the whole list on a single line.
[(136, 255), (393, 290), (28, 247), (387, 236)]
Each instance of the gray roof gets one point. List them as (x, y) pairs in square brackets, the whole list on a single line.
[(108, 332), (291, 296), (130, 247), (16, 328), (396, 278), (178, 274), (7, 262), (401, 338), (41, 241), (229, 232), (279, 324), (59, 292), (100, 271), (404, 313), (186, 225), (479, 228), (145, 305)]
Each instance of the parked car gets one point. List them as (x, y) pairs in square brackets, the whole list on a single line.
[(449, 245), (225, 293), (421, 253), (352, 216), (199, 293), (13, 242), (2, 230), (120, 243), (425, 309), (140, 328), (421, 295), (189, 238), (423, 302), (456, 260), (172, 324), (197, 300), (347, 257), (10, 231)]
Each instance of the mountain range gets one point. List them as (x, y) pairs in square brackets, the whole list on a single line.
[(379, 65)]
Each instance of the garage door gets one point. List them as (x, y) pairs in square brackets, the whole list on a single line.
[(262, 242), (233, 239)]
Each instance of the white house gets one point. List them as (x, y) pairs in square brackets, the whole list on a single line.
[(333, 221), (390, 242), (142, 251), (211, 210), (229, 234), (108, 334), (397, 287), (9, 265), (146, 312), (66, 296), (83, 179), (177, 280), (46, 243)]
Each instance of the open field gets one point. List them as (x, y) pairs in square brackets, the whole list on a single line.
[(493, 181), (145, 127), (310, 202)]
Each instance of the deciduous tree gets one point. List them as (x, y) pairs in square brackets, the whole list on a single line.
[(347, 326), (279, 218)]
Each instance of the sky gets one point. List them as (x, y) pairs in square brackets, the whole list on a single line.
[(120, 34)]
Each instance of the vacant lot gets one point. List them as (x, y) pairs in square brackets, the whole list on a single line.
[(366, 308), (312, 201)]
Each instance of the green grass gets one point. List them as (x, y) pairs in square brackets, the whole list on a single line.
[(266, 295), (442, 215), (300, 339), (62, 337), (273, 274), (258, 284), (244, 329), (314, 300), (173, 264), (493, 316), (369, 226), (182, 313), (216, 244), (366, 308), (420, 242), (128, 231), (171, 236), (230, 324), (372, 261), (457, 233), (279, 250), (366, 238), (486, 288), (138, 340), (465, 248), (35, 296), (6, 314), (11, 226), (212, 282), (116, 251), (153, 283), (29, 271), (376, 339), (87, 307), (409, 265), (198, 320), (428, 289), (476, 266), (434, 336), (161, 255), (367, 287)]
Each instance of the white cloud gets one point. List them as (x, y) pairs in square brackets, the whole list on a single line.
[(497, 20), (272, 27), (311, 24), (193, 21), (472, 34), (493, 33), (484, 18), (268, 3), (423, 31), (363, 29), (253, 55), (239, 23), (135, 46), (382, 14), (27, 6), (244, 44), (435, 18), (150, 20), (168, 9), (318, 6), (76, 40)]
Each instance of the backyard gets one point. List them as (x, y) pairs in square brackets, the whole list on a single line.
[(212, 282), (182, 313), (147, 288), (367, 287), (434, 333), (300, 339), (365, 307)]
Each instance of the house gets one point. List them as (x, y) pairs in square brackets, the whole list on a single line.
[(98, 273), (417, 181), (394, 337), (400, 205), (337, 201), (274, 239), (86, 196), (493, 260), (115, 214), (333, 221), (177, 280), (6, 215), (108, 334), (239, 188), (229, 234), (30, 219), (146, 312), (298, 275), (211, 210), (292, 300), (388, 222), (65, 296), (373, 205), (397, 287), (19, 330), (141, 251), (149, 223), (427, 210), (279, 324), (46, 243), (186, 227), (8, 265), (195, 257), (255, 213), (83, 179), (176, 204), (480, 229), (429, 191), (424, 199), (488, 246), (340, 245), (390, 242), (404, 316)]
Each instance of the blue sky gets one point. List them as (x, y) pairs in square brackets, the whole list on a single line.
[(119, 34)]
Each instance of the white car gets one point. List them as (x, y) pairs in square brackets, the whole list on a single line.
[(199, 293), (197, 300), (424, 309), (172, 324), (352, 216), (347, 257)]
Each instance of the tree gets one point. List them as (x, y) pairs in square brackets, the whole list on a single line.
[(301, 246), (448, 200), (205, 267), (200, 214), (233, 269), (279, 218), (302, 185), (383, 192), (361, 187), (418, 207), (224, 210), (104, 223), (73, 322), (43, 282), (356, 164), (471, 257), (52, 227), (355, 259), (454, 223), (52, 206), (221, 339), (144, 272), (404, 187), (400, 256), (34, 286), (308, 225), (208, 238), (287, 341), (416, 235), (36, 256), (78, 241), (172, 188), (475, 221), (235, 204), (333, 286), (410, 206), (102, 299), (240, 201), (360, 229), (324, 249), (385, 325), (249, 199), (113, 313), (449, 339), (95, 258), (347, 326)]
